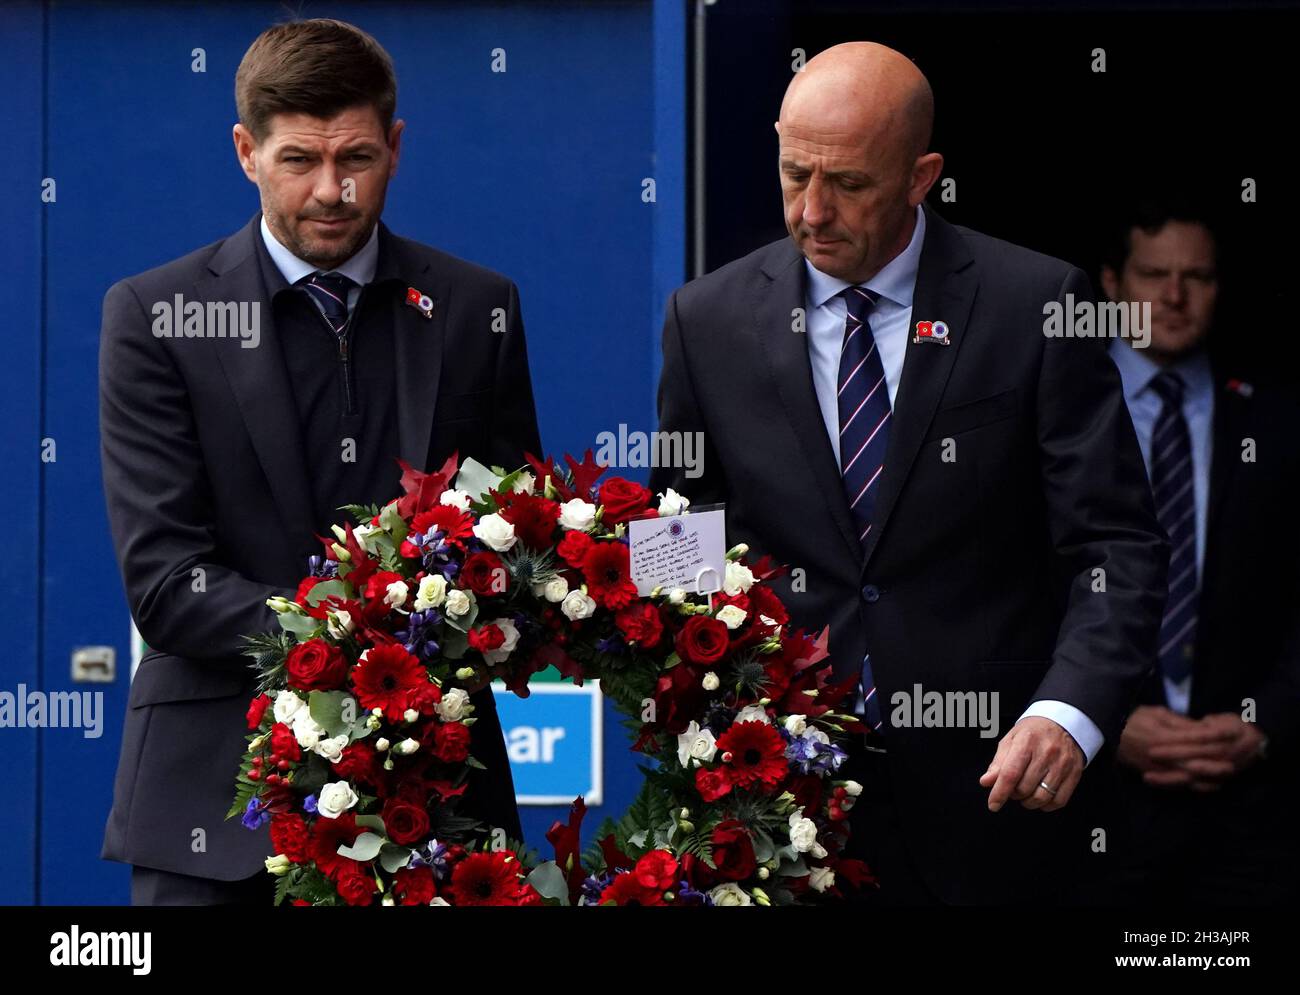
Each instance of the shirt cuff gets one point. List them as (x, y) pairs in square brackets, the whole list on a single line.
[(1079, 726)]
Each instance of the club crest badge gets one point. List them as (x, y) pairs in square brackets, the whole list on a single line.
[(934, 332), (421, 302)]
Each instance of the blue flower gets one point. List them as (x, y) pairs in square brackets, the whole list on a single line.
[(255, 815)]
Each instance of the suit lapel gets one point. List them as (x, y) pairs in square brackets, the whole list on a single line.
[(945, 291), (258, 378), (417, 343), (1231, 414), (782, 290)]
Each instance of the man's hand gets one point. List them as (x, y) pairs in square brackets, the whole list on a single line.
[(1203, 758), (1152, 726), (1036, 751)]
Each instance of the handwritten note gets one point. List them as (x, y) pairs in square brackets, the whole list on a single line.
[(687, 551)]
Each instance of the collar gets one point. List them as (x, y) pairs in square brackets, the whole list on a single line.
[(896, 281), (1137, 371), (360, 268)]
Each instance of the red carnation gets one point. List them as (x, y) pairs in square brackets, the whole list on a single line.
[(754, 752), (327, 835), (256, 709), (733, 851), (607, 568), (629, 889), (284, 745), (376, 589), (451, 741), (414, 886), (485, 574), (486, 638), (356, 887), (387, 678), (316, 666), (289, 836), (533, 517), (712, 784), (406, 823), (657, 869), (640, 623), (490, 878), (304, 588), (357, 762), (702, 640), (574, 546), (623, 499)]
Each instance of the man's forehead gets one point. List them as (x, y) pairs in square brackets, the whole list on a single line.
[(347, 127), (1176, 241), (831, 150)]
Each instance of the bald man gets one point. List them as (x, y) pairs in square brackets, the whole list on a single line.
[(958, 494)]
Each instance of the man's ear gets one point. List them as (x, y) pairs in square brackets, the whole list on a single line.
[(245, 146), (1109, 282), (925, 171), (395, 146)]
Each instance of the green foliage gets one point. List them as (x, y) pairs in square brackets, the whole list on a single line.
[(269, 651)]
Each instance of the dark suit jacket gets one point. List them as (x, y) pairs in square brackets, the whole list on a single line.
[(979, 575), (203, 467)]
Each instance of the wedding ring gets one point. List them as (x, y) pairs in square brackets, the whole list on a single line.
[(1046, 787)]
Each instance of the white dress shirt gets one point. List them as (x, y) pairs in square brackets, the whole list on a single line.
[(360, 269), (890, 321)]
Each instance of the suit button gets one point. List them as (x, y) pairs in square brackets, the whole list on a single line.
[(871, 594)]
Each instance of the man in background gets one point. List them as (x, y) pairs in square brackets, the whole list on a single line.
[(1208, 760)]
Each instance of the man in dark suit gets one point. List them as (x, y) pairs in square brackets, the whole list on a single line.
[(231, 435), (958, 493), (1208, 761)]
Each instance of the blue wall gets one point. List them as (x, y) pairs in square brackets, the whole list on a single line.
[(536, 172)]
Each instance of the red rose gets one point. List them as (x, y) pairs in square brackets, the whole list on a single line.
[(289, 836), (452, 742), (284, 745), (733, 851), (256, 709), (702, 640), (640, 623), (485, 574), (623, 500), (573, 547), (406, 823), (316, 666), (414, 886), (486, 638)]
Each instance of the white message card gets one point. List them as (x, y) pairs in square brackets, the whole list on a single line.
[(687, 551)]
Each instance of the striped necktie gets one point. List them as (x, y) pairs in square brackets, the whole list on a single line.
[(330, 291), (1175, 498), (863, 402)]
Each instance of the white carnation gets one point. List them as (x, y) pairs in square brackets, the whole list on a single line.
[(803, 832), (457, 499), (672, 503), (556, 589), (710, 682), (796, 724), (454, 705), (821, 878), (738, 580), (731, 616)]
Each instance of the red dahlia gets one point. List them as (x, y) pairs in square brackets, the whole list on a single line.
[(486, 879), (757, 755), (607, 569), (387, 678)]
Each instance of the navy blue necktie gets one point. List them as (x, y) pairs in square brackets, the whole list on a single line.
[(1173, 485), (330, 291), (863, 402)]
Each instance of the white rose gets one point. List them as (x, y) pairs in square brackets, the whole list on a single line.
[(508, 630), (332, 748), (524, 483), (803, 832), (731, 616), (821, 878), (339, 624), (739, 579), (711, 682), (306, 731), (431, 593), (457, 499), (672, 503), (286, 706), (796, 724), (730, 894), (577, 605), (752, 713), (396, 594), (696, 746), (459, 602), (335, 799), (496, 532), (453, 705), (577, 514), (555, 590)]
